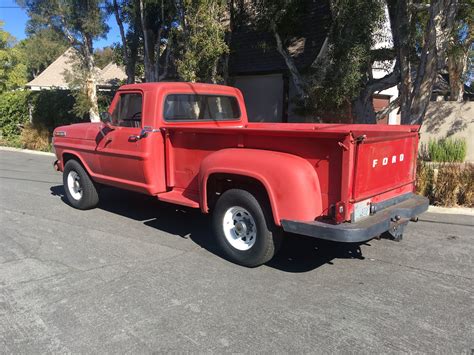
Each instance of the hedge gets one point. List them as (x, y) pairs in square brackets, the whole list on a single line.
[(47, 109), (13, 114)]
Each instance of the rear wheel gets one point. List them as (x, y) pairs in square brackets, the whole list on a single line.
[(80, 190), (244, 228)]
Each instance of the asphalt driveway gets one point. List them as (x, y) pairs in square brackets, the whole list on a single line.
[(136, 275)]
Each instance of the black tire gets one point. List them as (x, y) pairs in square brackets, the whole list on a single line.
[(268, 236), (89, 197)]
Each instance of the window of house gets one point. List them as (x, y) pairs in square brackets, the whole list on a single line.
[(128, 110), (188, 107)]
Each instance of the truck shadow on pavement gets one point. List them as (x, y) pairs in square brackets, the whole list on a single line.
[(297, 254)]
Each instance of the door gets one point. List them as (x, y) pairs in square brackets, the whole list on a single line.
[(121, 154)]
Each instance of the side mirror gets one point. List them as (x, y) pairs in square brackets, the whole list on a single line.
[(106, 117)]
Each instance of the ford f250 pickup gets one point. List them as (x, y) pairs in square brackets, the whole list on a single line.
[(192, 145)]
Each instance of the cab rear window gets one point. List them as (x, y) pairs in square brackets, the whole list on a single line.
[(190, 107)]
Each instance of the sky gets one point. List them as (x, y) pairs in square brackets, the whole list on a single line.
[(15, 19)]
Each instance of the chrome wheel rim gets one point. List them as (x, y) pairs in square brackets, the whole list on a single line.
[(74, 185), (240, 228)]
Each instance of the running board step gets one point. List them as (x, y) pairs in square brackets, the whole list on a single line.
[(180, 197)]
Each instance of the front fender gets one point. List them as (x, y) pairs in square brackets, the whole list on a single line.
[(291, 182)]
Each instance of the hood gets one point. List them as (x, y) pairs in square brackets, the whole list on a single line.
[(86, 131)]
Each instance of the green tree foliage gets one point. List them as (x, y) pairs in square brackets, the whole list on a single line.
[(103, 56), (351, 37), (127, 16), (201, 38), (461, 50), (185, 35), (13, 69), (41, 49)]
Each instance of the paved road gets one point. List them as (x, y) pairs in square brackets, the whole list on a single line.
[(135, 275)]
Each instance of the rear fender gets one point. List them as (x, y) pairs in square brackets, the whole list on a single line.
[(290, 181)]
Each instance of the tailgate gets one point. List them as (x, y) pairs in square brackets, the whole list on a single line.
[(383, 164)]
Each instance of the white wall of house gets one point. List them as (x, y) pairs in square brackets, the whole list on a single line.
[(384, 39), (263, 96)]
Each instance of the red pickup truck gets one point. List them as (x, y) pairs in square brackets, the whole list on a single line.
[(192, 145)]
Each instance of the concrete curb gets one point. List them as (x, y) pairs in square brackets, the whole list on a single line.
[(452, 210), (11, 149)]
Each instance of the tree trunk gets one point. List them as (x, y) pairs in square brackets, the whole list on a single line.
[(400, 19), (214, 71), (457, 66), (91, 84), (295, 74), (129, 69), (440, 23), (321, 63), (148, 46), (391, 106), (363, 110), (168, 50), (362, 106), (228, 41), (157, 47)]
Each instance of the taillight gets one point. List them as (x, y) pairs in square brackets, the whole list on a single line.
[(340, 212)]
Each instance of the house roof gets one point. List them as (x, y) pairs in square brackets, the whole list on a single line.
[(254, 51), (111, 75), (54, 76)]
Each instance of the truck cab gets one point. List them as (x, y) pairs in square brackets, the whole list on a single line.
[(193, 145)]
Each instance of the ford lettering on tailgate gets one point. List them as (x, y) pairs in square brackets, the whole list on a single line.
[(382, 165)]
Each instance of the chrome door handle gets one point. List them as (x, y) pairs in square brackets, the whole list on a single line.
[(143, 134)]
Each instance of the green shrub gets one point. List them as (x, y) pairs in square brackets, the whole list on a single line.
[(14, 114), (48, 109), (447, 150), (53, 108), (104, 99)]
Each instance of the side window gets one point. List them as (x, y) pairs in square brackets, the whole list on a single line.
[(128, 110), (187, 107)]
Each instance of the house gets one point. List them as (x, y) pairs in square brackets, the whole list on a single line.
[(111, 76), (55, 75)]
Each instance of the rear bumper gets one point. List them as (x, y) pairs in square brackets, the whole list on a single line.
[(368, 228)]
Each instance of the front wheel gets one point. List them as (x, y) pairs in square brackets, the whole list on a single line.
[(244, 228), (80, 190)]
